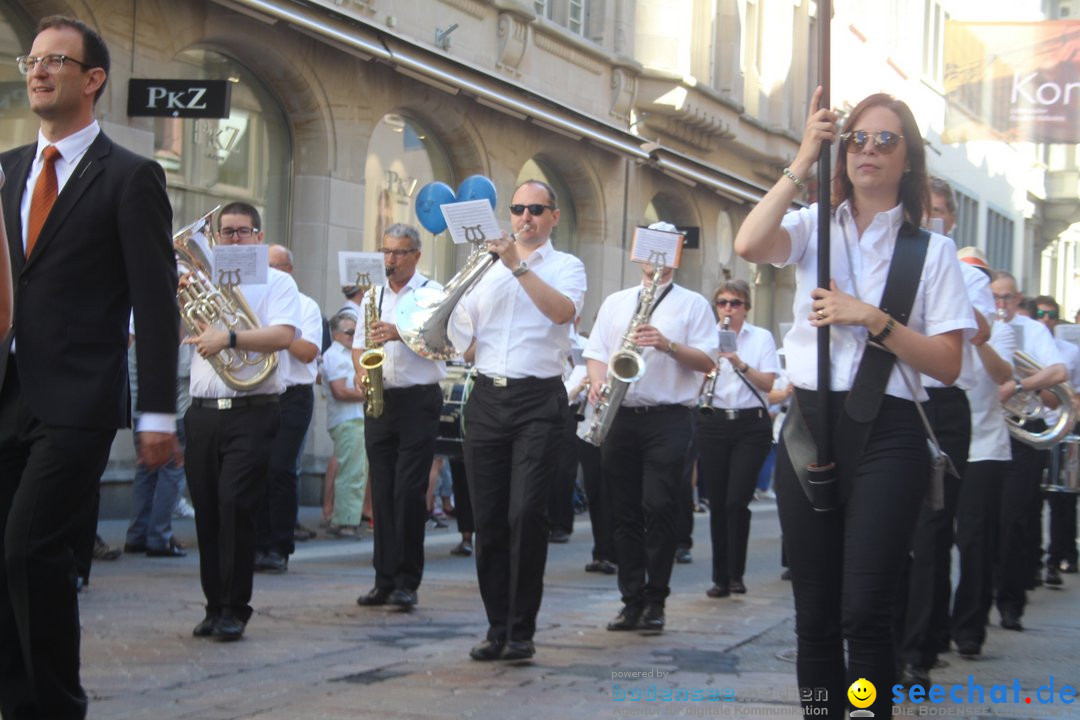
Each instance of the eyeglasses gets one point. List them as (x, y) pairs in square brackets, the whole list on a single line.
[(1007, 297), (1052, 314), (349, 332), (240, 232), (396, 253), (52, 63), (884, 141), (735, 304), (533, 208)]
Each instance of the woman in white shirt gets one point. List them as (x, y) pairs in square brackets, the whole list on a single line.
[(845, 562), (734, 435)]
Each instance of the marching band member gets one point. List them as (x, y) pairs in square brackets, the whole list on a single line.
[(735, 435), (1020, 500), (522, 311), (646, 448), (845, 561), (401, 441)]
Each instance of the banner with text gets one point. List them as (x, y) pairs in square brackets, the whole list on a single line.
[(1017, 81)]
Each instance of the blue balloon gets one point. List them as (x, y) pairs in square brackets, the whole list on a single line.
[(477, 187), (429, 202)]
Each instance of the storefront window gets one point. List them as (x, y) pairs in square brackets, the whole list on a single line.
[(18, 126), (403, 157), (246, 156)]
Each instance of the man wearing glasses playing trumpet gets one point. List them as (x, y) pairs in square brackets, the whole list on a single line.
[(522, 311)]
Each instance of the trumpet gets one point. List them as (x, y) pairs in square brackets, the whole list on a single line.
[(708, 383), (578, 408)]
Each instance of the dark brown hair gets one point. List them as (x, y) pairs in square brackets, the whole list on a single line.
[(95, 52), (914, 192)]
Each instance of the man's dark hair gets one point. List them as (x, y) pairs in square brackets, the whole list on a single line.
[(940, 186), (1049, 301), (241, 208), (95, 52)]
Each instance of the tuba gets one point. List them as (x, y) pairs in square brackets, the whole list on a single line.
[(372, 361), (626, 365), (423, 316), (1026, 406), (203, 303)]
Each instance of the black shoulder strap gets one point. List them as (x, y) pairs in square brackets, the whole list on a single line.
[(867, 390)]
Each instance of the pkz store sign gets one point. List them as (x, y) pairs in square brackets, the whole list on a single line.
[(178, 98)]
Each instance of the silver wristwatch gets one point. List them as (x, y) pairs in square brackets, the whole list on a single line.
[(520, 270)]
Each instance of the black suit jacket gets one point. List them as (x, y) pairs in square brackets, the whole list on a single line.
[(106, 247)]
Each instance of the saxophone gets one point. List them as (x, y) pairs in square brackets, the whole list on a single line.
[(708, 384), (372, 361), (626, 365)]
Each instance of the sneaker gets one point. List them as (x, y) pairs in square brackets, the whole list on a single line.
[(183, 509), (462, 549), (102, 551), (343, 532), (434, 523)]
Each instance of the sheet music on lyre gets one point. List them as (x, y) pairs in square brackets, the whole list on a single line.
[(472, 221), (360, 268), (240, 264), (657, 247)]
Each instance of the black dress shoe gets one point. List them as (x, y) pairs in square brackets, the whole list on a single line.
[(601, 566), (487, 650), (627, 619), (135, 548), (786, 575), (683, 556), (558, 535), (1069, 567), (402, 598), (102, 551), (968, 649), (737, 586), (206, 627), (228, 629), (462, 549), (915, 675), (377, 596), (1053, 576), (172, 550), (1011, 621), (272, 562), (652, 619), (718, 591), (518, 650)]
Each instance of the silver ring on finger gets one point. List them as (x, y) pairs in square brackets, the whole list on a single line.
[(821, 314)]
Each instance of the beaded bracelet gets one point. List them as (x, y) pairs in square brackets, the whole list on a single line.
[(886, 331), (795, 179)]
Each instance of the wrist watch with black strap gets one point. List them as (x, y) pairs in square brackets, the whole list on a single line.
[(520, 270)]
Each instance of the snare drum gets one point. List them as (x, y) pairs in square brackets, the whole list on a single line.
[(1063, 475), (451, 437)]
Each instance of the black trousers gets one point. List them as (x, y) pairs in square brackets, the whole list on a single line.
[(730, 456), (924, 626), (978, 513), (599, 497), (511, 436), (845, 563), (643, 459), (561, 497), (462, 498), (226, 458), (276, 519), (400, 448), (684, 520), (1019, 541), (1062, 528), (49, 477)]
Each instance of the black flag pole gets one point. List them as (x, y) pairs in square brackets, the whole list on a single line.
[(824, 435)]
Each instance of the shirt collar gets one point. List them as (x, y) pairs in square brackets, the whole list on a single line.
[(881, 233), (72, 146), (540, 253)]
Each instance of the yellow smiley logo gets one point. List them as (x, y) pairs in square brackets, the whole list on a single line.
[(862, 693)]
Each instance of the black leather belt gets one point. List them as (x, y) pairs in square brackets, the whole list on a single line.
[(646, 409), (410, 389), (740, 413), (487, 381), (234, 403)]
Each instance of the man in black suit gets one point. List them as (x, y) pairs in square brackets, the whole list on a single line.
[(88, 228)]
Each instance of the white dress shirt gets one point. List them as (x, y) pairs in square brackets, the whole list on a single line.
[(277, 302), (755, 347), (977, 284), (1070, 354), (513, 338), (989, 434), (292, 370), (1036, 341), (338, 365), (683, 317), (940, 305), (401, 367)]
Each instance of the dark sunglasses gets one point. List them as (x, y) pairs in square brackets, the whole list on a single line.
[(735, 304), (534, 209), (884, 141), (1052, 314), (348, 332)]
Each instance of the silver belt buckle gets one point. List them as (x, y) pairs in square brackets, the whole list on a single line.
[(224, 404), (498, 381), (731, 414)]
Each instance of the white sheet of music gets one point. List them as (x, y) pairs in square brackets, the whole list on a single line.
[(472, 221), (361, 268), (241, 264), (656, 246)]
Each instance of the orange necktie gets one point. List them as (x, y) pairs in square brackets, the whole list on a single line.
[(44, 196)]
